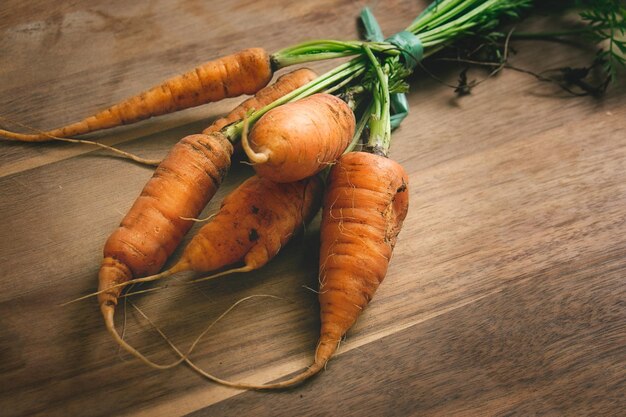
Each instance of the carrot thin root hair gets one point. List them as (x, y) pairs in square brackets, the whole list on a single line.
[(108, 312), (150, 278), (246, 268), (301, 377), (193, 219), (164, 274), (129, 294), (127, 155)]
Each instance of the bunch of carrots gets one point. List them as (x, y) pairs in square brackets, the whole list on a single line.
[(313, 140)]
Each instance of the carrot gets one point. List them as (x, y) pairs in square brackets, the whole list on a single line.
[(253, 223), (299, 139), (245, 72), (365, 204), (181, 186)]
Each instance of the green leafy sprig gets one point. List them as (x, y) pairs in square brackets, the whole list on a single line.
[(606, 20), (604, 23)]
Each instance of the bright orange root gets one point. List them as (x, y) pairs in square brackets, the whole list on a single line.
[(245, 72)]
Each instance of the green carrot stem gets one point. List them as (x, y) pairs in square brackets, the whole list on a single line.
[(325, 49), (380, 121), (360, 127)]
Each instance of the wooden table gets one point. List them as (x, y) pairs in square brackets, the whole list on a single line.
[(505, 296)]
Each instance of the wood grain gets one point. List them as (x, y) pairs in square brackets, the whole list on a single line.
[(506, 354), (505, 295)]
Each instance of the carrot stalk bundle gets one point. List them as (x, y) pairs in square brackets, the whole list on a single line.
[(253, 223), (299, 139), (245, 72), (294, 136), (367, 198)]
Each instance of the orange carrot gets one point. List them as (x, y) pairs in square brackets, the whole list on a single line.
[(299, 139), (181, 186), (253, 223), (245, 72), (365, 204)]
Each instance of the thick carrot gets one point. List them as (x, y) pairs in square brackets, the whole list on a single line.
[(253, 223), (245, 72), (299, 139), (180, 188), (365, 204)]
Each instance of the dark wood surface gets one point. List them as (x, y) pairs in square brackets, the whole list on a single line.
[(506, 294)]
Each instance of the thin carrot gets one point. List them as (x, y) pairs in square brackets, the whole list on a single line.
[(253, 223), (365, 204), (245, 72), (123, 154), (299, 139)]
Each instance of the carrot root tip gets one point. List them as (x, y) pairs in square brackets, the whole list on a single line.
[(255, 157), (108, 313)]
